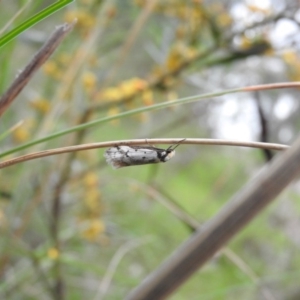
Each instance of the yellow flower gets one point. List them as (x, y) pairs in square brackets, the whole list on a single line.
[(41, 105), (174, 59), (51, 68), (132, 86), (21, 134), (127, 88), (64, 58), (92, 201), (110, 94), (112, 112), (139, 83), (246, 43), (290, 57), (85, 20), (53, 253), (90, 179), (224, 19), (147, 97), (89, 80), (256, 9), (95, 228)]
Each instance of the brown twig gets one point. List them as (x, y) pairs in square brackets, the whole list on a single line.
[(37, 61), (264, 129), (62, 150), (235, 215), (23, 78), (180, 213)]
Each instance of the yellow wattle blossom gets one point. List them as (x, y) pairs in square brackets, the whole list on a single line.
[(64, 59), (257, 9), (109, 94), (139, 83), (131, 87), (127, 88), (21, 134), (89, 81), (147, 97), (174, 59), (224, 19), (41, 105), (92, 201), (293, 61), (85, 20), (112, 112), (191, 53), (95, 228), (90, 179), (51, 68), (245, 42), (179, 54), (53, 253), (290, 57)]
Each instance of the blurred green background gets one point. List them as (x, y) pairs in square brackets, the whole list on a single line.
[(73, 228)]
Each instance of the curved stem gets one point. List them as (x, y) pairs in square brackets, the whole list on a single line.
[(182, 141)]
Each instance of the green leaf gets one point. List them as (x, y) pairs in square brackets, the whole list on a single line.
[(33, 20)]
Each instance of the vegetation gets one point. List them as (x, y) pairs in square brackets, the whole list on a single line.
[(73, 228)]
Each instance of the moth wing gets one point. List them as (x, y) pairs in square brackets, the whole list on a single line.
[(123, 156), (116, 157), (142, 156)]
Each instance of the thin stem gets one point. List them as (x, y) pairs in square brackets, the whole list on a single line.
[(33, 20), (182, 141), (152, 108)]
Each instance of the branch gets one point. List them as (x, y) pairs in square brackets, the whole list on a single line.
[(89, 146), (235, 215), (264, 128), (37, 61)]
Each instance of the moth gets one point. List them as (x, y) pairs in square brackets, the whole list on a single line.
[(125, 156)]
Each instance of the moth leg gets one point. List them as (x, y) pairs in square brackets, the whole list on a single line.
[(149, 143)]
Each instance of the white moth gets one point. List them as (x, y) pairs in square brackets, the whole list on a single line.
[(125, 156)]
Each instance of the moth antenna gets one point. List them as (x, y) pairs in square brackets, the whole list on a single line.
[(176, 145)]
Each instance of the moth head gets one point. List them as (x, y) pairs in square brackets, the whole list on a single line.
[(170, 152)]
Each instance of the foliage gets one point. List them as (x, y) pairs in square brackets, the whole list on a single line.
[(67, 221)]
